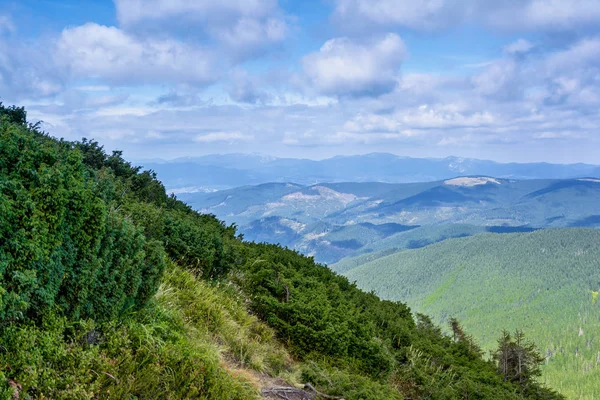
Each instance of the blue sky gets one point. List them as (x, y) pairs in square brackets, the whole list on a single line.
[(517, 80)]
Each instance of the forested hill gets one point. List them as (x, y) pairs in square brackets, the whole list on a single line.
[(544, 282), (110, 289)]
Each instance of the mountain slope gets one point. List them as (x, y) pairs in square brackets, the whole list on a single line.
[(543, 282), (110, 288)]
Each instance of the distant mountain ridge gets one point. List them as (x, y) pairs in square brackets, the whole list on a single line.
[(335, 220), (233, 170)]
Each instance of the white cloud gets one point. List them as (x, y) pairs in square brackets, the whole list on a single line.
[(418, 120), (231, 137), (27, 70), (343, 67), (497, 79), (551, 15), (347, 96), (246, 27), (556, 135), (130, 12), (110, 54), (247, 36), (372, 123), (175, 99), (93, 88), (420, 15), (582, 53), (124, 111)]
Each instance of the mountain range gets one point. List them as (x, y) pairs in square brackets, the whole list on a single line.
[(216, 172), (331, 221)]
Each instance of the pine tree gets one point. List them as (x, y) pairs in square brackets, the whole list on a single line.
[(460, 336)]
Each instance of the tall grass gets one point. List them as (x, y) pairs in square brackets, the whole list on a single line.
[(193, 341)]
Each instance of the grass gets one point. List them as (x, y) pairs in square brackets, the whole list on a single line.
[(194, 341), (216, 314)]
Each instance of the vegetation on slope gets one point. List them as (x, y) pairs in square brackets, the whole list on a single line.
[(112, 289), (544, 282), (174, 348)]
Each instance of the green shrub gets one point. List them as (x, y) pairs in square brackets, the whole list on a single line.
[(336, 382), (61, 246)]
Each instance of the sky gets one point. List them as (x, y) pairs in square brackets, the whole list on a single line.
[(512, 80)]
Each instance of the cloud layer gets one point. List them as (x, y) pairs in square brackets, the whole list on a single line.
[(181, 78)]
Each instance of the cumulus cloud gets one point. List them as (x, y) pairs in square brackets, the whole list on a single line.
[(583, 53), (108, 53), (248, 37), (346, 68), (347, 95), (499, 79), (179, 99), (131, 12), (573, 75), (417, 120), (246, 27), (551, 15)]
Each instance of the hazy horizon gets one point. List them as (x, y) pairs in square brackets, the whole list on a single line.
[(300, 157)]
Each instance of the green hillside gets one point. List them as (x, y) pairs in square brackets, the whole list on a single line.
[(414, 239), (111, 289), (544, 282)]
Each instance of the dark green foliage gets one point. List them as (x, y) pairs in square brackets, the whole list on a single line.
[(311, 309), (347, 385), (322, 317), (86, 232), (198, 242), (13, 114), (62, 246)]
